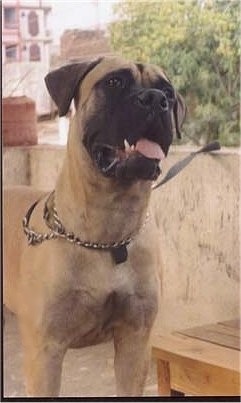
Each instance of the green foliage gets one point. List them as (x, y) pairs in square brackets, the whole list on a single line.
[(197, 43)]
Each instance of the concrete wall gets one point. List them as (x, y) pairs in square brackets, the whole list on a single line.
[(198, 216)]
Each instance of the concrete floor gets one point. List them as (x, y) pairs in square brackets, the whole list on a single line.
[(86, 372)]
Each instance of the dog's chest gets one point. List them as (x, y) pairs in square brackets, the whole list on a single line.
[(87, 312)]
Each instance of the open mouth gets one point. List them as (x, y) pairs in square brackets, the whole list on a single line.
[(136, 161), (148, 148)]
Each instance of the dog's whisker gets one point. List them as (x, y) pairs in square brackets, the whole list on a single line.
[(110, 166)]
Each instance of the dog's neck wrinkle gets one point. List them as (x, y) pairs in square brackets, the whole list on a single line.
[(96, 208)]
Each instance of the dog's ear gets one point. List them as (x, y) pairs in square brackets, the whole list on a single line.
[(63, 82), (179, 111)]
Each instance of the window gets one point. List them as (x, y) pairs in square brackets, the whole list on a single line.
[(34, 53), (10, 17), (33, 24), (11, 53)]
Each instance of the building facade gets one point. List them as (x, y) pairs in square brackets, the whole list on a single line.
[(25, 33), (26, 45)]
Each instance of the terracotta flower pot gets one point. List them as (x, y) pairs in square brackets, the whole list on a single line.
[(19, 121)]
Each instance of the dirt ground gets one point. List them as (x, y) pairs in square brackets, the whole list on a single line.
[(86, 372)]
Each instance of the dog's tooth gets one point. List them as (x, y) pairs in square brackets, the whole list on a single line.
[(127, 145), (132, 147)]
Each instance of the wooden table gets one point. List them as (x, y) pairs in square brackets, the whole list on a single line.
[(201, 361)]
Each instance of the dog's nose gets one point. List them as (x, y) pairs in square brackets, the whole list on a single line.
[(153, 98)]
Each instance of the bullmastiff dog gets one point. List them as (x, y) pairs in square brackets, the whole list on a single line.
[(90, 269)]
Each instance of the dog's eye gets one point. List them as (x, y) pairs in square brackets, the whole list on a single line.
[(169, 93), (114, 82)]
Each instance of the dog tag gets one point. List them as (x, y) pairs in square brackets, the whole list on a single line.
[(120, 254)]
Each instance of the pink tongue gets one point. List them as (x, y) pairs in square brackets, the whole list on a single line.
[(149, 149)]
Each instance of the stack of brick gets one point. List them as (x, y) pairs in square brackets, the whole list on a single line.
[(19, 121)]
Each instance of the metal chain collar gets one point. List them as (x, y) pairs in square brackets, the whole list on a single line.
[(35, 238), (57, 230)]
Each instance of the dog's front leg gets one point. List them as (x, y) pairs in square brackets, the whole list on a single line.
[(132, 357), (43, 360)]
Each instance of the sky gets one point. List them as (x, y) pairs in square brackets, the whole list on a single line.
[(81, 14)]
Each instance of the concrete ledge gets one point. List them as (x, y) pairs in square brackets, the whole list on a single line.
[(16, 168), (198, 217), (36, 166), (39, 165)]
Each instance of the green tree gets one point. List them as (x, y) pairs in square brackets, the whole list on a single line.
[(197, 43)]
